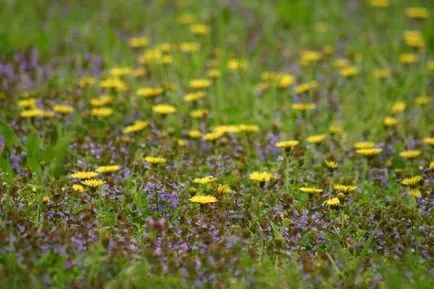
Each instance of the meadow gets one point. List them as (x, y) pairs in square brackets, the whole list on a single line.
[(216, 144)]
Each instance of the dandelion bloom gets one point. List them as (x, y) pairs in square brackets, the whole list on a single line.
[(260, 177), (430, 65), (285, 80), (390, 121), (332, 203), (288, 144), (187, 19), (341, 63), (223, 189), (416, 193), (414, 39), (113, 83), (410, 154), (408, 58), (411, 181), (150, 92), (431, 166), (194, 133), (32, 113), (204, 180), (429, 141), (46, 199), (103, 100), (336, 129), (86, 81), (248, 128), (181, 142), (194, 96), (26, 103), (83, 175), (200, 83), (108, 169), (382, 73), (380, 3), (138, 42), (417, 13), (348, 72), (63, 109), (203, 199), (303, 106), (163, 109), (199, 29), (316, 139), (369, 152), (137, 126), (120, 71), (305, 87), (155, 160), (213, 73), (364, 145), (93, 183), (199, 113), (331, 164), (311, 190), (78, 188), (344, 188), (309, 57), (212, 136), (235, 64), (102, 111), (422, 100)]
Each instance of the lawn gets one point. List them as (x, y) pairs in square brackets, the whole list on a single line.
[(216, 144)]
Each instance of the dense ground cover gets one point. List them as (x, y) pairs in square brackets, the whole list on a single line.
[(216, 144)]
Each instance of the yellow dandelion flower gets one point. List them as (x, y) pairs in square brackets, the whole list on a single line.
[(260, 177), (398, 106), (429, 141), (344, 188), (390, 121), (113, 83), (431, 166), (102, 111), (203, 199), (335, 129), (194, 133), (187, 19), (327, 49), (108, 169), (410, 154), (235, 64), (155, 160), (411, 181), (46, 199), (228, 128), (408, 58), (189, 47), (63, 109), (149, 92), (93, 183), (316, 139), (305, 87), (308, 106), (416, 193), (224, 189), (214, 73), (348, 72), (311, 190), (137, 126), (120, 71), (103, 100), (200, 83), (138, 72), (382, 73), (163, 109), (364, 145), (165, 47), (417, 13), (36, 112), (199, 113), (138, 42), (205, 180), (78, 188), (212, 136), (430, 65), (285, 80), (194, 96), (341, 63), (199, 29), (369, 152), (414, 39), (331, 164), (288, 144), (309, 57), (86, 81), (181, 142), (422, 100), (332, 203), (27, 103), (248, 128), (380, 3), (83, 175)]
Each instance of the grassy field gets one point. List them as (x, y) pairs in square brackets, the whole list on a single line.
[(216, 144)]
